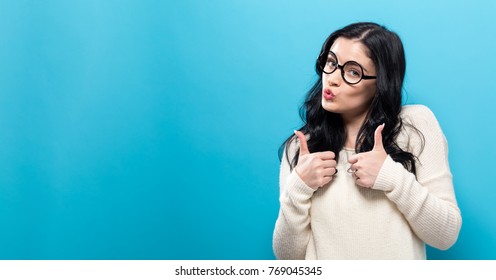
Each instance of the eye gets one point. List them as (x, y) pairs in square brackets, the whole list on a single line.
[(353, 72), (331, 61)]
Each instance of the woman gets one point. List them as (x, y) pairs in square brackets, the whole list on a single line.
[(364, 178)]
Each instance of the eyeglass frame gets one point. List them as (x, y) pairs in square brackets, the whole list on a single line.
[(341, 67)]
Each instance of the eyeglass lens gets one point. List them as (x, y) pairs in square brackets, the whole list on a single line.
[(352, 72)]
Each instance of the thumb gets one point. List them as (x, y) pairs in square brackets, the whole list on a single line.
[(303, 143), (378, 146), (353, 159)]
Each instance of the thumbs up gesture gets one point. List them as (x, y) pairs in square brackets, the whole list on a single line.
[(315, 169), (365, 167)]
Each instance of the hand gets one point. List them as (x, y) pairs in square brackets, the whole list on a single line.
[(315, 169), (366, 166)]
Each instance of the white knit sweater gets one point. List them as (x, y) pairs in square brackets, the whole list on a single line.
[(393, 220)]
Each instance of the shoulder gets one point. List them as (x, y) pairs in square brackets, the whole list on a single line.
[(419, 116), (419, 126), (417, 112)]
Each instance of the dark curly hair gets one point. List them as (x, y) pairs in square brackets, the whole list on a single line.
[(326, 129)]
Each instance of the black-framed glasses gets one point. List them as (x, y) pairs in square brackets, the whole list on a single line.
[(351, 71)]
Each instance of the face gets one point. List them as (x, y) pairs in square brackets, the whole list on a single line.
[(351, 101)]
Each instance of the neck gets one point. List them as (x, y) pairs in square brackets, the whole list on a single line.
[(352, 125)]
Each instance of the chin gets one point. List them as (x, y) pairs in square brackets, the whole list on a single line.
[(328, 106)]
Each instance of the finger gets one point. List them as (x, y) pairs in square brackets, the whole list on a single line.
[(303, 143), (378, 146), (359, 182), (329, 172), (329, 164), (326, 155), (353, 159), (352, 169), (326, 180)]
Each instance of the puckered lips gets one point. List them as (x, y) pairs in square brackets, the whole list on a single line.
[(328, 94)]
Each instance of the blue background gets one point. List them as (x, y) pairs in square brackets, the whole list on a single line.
[(150, 129)]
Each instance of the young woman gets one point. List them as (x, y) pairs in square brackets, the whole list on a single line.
[(364, 178)]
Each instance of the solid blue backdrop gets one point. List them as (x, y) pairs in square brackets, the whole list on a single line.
[(150, 129)]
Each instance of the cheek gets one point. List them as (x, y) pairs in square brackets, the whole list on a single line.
[(362, 96), (367, 93)]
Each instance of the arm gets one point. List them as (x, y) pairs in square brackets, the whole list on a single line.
[(292, 230), (428, 200)]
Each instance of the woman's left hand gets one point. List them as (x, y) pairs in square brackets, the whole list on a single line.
[(366, 166)]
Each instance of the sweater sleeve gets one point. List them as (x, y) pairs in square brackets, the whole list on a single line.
[(427, 200), (292, 230)]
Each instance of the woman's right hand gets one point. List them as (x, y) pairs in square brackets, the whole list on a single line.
[(315, 169)]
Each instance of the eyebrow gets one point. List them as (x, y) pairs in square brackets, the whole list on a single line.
[(363, 67)]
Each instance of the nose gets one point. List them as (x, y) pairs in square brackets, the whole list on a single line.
[(334, 79)]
